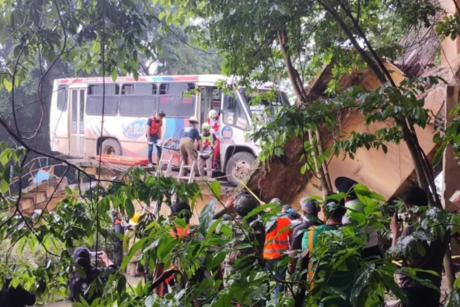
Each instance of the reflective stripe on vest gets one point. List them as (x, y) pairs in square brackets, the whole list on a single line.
[(154, 126), (277, 239), (207, 141), (311, 245)]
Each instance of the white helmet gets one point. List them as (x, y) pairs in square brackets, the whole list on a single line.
[(213, 114), (193, 119)]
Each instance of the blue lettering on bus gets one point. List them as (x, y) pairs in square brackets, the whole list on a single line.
[(135, 129), (227, 133)]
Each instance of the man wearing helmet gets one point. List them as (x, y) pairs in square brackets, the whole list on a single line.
[(206, 155), (213, 121), (189, 136)]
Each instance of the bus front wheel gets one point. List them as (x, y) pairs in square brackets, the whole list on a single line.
[(239, 167), (110, 147)]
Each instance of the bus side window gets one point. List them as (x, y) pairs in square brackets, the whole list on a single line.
[(138, 100), (127, 89), (177, 99), (233, 113), (62, 98), (95, 99)]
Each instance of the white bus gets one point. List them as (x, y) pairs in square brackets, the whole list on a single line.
[(76, 116)]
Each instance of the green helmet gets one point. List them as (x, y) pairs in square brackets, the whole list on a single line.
[(205, 126), (245, 203)]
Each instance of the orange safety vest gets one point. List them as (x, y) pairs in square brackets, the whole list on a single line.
[(155, 128), (277, 239), (180, 232)]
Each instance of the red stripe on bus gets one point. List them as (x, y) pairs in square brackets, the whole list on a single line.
[(186, 78)]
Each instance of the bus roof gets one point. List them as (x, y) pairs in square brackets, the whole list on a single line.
[(178, 78)]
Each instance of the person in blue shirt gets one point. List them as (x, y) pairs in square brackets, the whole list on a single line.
[(189, 140)]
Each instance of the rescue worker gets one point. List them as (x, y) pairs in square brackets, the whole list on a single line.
[(243, 204), (79, 284), (134, 267), (119, 231), (213, 121), (353, 204), (181, 210), (206, 155), (277, 243), (426, 264), (340, 279), (310, 212), (153, 133), (189, 136)]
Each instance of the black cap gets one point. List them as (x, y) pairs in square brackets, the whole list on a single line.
[(309, 206), (161, 114), (245, 203), (415, 196), (81, 252), (345, 184), (180, 207)]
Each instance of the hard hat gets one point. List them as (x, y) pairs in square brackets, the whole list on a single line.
[(245, 203), (193, 119), (135, 219), (213, 114), (205, 126)]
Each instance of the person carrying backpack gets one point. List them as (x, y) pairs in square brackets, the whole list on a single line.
[(80, 284)]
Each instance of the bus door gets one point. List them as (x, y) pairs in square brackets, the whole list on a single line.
[(234, 123), (77, 120), (210, 98)]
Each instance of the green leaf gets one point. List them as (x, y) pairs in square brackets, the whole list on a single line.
[(114, 74), (4, 186), (437, 158), (5, 156), (8, 85), (213, 227), (206, 216), (131, 253), (68, 190), (215, 188), (259, 209), (129, 207)]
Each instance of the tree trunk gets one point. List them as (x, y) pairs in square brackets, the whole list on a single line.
[(302, 97)]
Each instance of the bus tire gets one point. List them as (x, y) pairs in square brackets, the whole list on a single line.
[(239, 167), (111, 147)]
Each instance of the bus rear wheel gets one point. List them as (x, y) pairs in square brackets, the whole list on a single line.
[(239, 167), (110, 147)]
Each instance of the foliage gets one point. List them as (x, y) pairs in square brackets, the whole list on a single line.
[(84, 220), (451, 135), (449, 27), (385, 108)]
